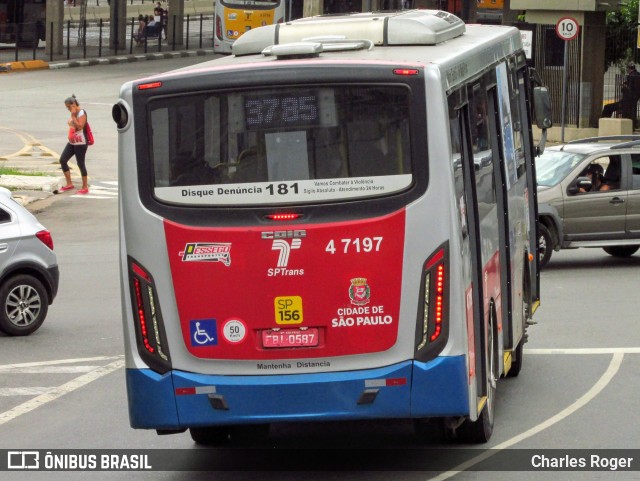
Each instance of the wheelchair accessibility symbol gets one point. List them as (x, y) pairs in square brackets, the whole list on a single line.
[(204, 332)]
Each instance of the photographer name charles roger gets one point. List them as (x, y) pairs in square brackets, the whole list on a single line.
[(592, 462)]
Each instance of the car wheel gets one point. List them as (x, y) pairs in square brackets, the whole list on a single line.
[(621, 251), (545, 245), (24, 303)]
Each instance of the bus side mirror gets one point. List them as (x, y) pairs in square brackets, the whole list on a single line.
[(543, 114), (542, 107)]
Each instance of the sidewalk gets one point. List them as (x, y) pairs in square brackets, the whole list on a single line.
[(9, 67), (30, 188)]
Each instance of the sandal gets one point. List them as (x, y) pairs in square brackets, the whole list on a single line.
[(66, 188), (83, 191)]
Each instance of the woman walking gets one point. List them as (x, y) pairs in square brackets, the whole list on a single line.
[(77, 144)]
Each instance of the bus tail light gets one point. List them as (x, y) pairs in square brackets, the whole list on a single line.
[(432, 325), (218, 27), (147, 318)]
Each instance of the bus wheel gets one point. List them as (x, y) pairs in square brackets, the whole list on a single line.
[(545, 245), (621, 251), (480, 431), (516, 363), (210, 436)]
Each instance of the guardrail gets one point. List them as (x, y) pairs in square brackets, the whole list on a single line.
[(102, 10), (91, 39)]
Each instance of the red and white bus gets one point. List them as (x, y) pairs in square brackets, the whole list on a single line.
[(336, 222)]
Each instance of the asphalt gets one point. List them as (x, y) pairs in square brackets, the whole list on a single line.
[(30, 189)]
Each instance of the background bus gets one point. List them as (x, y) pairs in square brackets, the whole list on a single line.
[(235, 17), (22, 22), (303, 239)]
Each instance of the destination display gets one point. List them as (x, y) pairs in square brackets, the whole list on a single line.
[(277, 110)]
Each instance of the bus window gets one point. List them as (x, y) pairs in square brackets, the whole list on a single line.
[(273, 135)]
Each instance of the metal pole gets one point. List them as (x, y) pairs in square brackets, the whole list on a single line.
[(68, 39), (564, 87)]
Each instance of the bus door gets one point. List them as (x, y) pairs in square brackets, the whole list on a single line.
[(511, 191), (524, 83), (481, 200)]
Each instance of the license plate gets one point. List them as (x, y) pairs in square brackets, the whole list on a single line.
[(290, 338)]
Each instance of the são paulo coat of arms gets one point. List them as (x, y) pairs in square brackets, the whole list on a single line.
[(359, 292)]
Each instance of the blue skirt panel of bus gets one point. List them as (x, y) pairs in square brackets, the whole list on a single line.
[(440, 388), (408, 389)]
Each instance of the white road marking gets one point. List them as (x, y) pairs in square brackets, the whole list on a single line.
[(100, 190), (60, 391), (24, 391), (49, 370), (89, 196), (605, 379), (58, 361), (586, 350)]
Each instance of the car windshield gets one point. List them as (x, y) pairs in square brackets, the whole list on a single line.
[(554, 165)]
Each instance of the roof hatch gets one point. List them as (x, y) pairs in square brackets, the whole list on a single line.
[(407, 27)]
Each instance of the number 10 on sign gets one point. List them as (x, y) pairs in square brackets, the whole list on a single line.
[(567, 29)]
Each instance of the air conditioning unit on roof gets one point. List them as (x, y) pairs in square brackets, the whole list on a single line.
[(408, 27)]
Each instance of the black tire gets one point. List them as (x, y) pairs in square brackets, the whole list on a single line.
[(621, 251), (24, 304), (545, 245), (517, 356), (210, 436), (480, 431), (516, 362)]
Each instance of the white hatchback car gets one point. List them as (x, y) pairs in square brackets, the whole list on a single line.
[(28, 269)]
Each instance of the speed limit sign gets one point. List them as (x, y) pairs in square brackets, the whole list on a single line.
[(567, 28)]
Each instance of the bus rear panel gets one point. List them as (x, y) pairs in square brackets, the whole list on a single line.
[(292, 247)]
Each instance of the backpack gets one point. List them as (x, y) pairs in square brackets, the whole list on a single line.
[(88, 134)]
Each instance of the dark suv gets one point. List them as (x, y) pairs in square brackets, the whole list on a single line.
[(589, 196)]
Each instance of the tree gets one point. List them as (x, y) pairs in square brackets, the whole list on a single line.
[(622, 26)]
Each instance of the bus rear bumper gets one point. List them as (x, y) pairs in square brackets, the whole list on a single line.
[(180, 399)]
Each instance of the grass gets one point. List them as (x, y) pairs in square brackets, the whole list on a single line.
[(10, 171)]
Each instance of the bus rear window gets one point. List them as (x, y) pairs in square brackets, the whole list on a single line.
[(279, 146)]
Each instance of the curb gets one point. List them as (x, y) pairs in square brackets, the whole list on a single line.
[(24, 65), (130, 58)]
